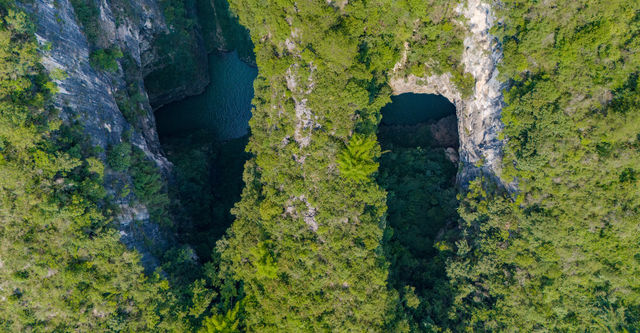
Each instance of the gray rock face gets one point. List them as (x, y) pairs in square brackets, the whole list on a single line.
[(173, 68), (87, 95), (479, 122)]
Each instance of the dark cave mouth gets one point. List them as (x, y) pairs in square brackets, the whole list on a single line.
[(419, 120), (410, 108)]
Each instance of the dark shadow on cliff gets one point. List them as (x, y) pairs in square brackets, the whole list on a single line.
[(418, 171), (204, 136), (222, 31), (207, 183)]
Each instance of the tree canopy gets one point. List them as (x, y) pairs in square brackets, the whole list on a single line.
[(331, 233)]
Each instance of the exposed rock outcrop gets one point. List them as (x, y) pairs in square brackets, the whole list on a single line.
[(304, 116), (88, 96), (479, 114)]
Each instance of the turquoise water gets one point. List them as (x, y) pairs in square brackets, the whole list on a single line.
[(224, 108), (410, 109)]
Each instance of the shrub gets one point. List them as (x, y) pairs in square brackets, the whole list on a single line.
[(87, 13), (106, 59), (357, 160), (119, 156), (148, 187)]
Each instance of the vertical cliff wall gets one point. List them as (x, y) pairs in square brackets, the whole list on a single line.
[(88, 96), (478, 114)]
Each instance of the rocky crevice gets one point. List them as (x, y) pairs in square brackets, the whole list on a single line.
[(308, 215), (300, 87), (151, 73), (305, 122)]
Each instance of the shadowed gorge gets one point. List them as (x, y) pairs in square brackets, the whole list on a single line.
[(418, 135), (419, 120), (223, 109), (204, 136), (411, 109)]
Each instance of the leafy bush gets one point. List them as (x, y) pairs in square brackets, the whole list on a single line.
[(129, 106), (106, 59), (149, 187), (223, 323), (88, 16), (62, 265), (421, 202), (119, 156), (357, 160)]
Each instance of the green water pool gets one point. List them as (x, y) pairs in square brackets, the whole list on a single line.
[(224, 108)]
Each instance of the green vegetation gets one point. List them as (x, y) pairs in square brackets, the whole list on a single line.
[(564, 255), (130, 105), (106, 59), (307, 239), (179, 47), (330, 233), (119, 156), (435, 44), (306, 247), (227, 323), (148, 183), (357, 161), (208, 182), (131, 100), (149, 187), (88, 13), (421, 217), (221, 29), (123, 10), (62, 266), (561, 256)]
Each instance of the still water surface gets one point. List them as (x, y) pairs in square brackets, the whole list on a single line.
[(411, 109), (223, 109)]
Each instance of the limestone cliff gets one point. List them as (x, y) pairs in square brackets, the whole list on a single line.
[(479, 122), (88, 96)]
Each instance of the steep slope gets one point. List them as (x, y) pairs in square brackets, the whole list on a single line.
[(563, 256), (557, 116), (307, 239), (89, 96)]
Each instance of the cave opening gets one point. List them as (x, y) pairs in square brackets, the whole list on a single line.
[(419, 137), (204, 136)]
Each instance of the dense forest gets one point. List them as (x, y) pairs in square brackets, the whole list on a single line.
[(62, 266), (342, 224)]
